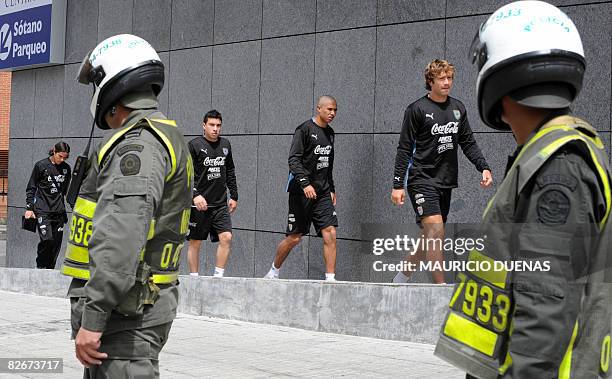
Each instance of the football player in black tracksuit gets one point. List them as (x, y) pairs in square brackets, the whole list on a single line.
[(214, 175), (45, 200), (312, 195), (426, 161)]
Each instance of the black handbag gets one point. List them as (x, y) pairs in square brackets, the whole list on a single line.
[(29, 224)]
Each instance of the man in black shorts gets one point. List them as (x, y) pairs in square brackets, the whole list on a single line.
[(426, 161), (312, 195), (210, 212)]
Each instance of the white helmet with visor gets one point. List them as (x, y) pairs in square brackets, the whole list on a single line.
[(530, 51), (118, 66)]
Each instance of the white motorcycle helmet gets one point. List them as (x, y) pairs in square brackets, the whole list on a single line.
[(531, 51), (118, 66)]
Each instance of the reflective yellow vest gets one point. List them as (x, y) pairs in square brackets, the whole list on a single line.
[(478, 325), (167, 230)]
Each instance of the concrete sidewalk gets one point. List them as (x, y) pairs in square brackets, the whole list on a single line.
[(203, 347), (2, 253)]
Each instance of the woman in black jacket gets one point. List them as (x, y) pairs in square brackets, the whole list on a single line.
[(45, 201)]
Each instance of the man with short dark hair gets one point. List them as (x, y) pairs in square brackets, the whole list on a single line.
[(312, 194), (210, 214)]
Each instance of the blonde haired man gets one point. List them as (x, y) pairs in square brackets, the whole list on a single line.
[(426, 161)]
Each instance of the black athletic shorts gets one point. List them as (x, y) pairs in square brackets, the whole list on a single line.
[(211, 221), (303, 212), (428, 200)]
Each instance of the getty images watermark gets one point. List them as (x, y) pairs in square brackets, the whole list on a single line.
[(393, 248), (458, 246)]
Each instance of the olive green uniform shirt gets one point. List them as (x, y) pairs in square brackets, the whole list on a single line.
[(129, 186)]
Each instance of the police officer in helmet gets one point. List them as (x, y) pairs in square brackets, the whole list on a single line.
[(551, 212), (130, 218)]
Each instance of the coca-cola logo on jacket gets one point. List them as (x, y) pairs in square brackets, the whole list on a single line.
[(451, 127), (323, 150), (218, 161)]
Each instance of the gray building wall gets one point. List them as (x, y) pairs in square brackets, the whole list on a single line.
[(262, 64)]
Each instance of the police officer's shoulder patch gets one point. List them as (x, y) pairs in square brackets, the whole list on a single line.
[(130, 165), (553, 207)]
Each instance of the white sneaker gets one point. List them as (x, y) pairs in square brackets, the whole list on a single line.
[(330, 277), (218, 272), (271, 274)]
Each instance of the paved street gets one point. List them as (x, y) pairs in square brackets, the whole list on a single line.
[(202, 347)]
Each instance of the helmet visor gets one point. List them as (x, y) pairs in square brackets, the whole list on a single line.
[(478, 50), (88, 74), (83, 75)]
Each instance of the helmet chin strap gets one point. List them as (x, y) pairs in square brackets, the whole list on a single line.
[(93, 125), (80, 167)]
